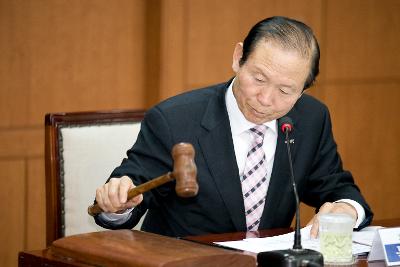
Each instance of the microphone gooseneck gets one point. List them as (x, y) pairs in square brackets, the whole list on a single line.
[(286, 126), (297, 256)]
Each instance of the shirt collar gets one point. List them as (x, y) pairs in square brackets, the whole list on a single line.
[(238, 122)]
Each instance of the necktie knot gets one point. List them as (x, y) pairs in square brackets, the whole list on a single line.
[(258, 132)]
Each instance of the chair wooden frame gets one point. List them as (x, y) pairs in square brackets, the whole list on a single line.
[(54, 183)]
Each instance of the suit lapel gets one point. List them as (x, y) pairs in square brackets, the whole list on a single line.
[(217, 148)]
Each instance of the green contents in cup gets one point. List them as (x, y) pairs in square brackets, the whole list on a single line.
[(336, 247), (335, 237)]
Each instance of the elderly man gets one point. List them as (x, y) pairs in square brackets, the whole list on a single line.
[(243, 169)]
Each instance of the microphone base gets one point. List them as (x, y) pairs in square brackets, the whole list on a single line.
[(290, 258)]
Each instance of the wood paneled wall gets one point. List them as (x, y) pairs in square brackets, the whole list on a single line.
[(55, 56), (74, 55)]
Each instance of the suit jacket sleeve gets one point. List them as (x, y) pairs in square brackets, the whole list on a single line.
[(148, 158), (328, 181)]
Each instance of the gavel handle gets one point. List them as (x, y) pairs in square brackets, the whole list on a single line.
[(95, 209)]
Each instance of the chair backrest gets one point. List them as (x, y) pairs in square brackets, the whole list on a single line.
[(81, 150)]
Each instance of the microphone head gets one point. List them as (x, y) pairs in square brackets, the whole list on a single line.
[(286, 124)]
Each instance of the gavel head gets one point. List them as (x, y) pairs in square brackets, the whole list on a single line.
[(185, 171)]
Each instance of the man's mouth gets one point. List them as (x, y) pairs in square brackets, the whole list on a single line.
[(256, 112)]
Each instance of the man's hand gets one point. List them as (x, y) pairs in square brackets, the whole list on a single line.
[(112, 196), (329, 207)]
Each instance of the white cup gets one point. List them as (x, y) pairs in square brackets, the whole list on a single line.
[(335, 236)]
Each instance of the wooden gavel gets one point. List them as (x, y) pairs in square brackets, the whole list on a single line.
[(185, 174)]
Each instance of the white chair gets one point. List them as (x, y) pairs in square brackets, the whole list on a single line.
[(81, 150)]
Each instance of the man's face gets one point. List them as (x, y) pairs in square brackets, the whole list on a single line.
[(270, 82)]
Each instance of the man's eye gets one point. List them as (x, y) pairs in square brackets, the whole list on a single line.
[(258, 79), (283, 91)]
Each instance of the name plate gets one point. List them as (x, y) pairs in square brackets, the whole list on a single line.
[(386, 246)]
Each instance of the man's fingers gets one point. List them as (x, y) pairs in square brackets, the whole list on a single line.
[(326, 207), (99, 198), (112, 196), (107, 205), (107, 196), (125, 184), (135, 201), (113, 192), (315, 227)]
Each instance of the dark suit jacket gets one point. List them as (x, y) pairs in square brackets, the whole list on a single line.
[(200, 117)]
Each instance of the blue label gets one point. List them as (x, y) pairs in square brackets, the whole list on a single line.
[(393, 252)]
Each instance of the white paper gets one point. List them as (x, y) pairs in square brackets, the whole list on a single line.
[(366, 235), (285, 241)]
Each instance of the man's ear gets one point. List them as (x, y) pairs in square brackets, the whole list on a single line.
[(237, 55)]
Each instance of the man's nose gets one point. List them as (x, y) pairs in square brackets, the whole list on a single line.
[(266, 96)]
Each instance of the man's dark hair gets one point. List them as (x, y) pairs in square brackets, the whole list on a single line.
[(289, 33)]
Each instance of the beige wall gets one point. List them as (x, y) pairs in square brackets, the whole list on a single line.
[(74, 55)]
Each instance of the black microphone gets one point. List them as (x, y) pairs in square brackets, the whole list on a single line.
[(297, 256)]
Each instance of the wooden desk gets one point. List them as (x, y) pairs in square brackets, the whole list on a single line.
[(134, 248)]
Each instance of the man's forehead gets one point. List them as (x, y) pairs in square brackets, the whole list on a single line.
[(273, 60), (272, 53)]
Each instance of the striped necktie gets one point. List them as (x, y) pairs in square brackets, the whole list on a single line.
[(254, 186)]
